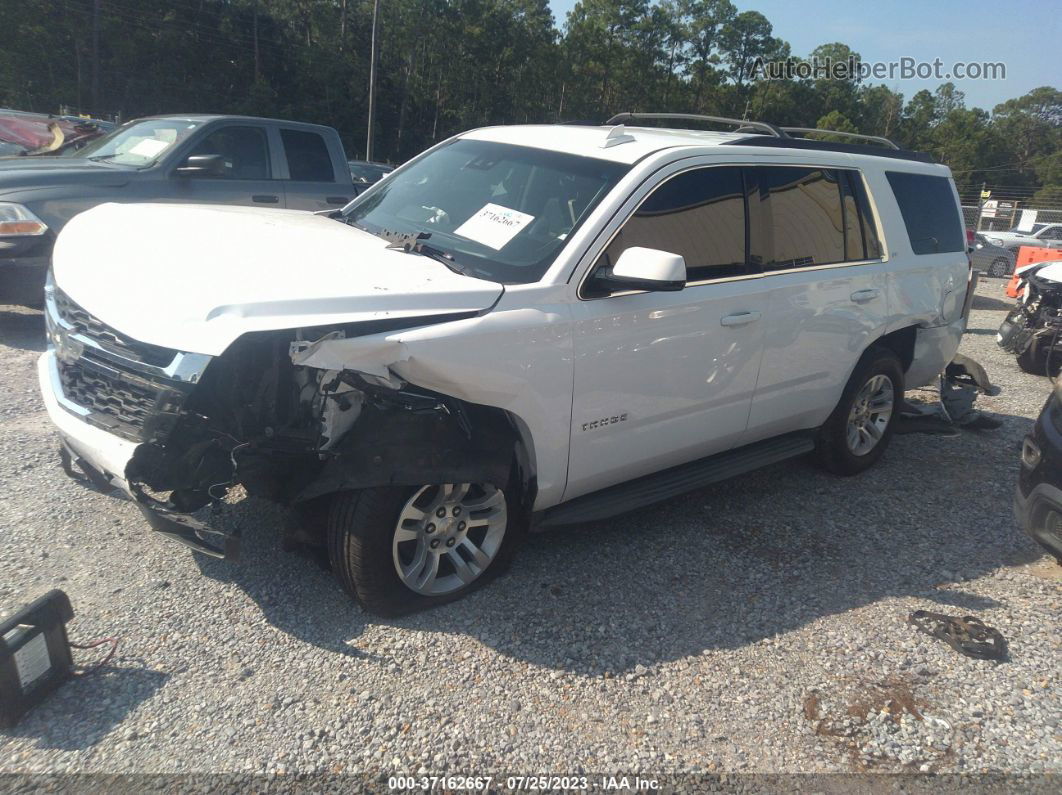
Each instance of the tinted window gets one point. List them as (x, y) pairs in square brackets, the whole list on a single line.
[(800, 209), (860, 233), (854, 248), (307, 154), (927, 205), (699, 214), (242, 149), (871, 242)]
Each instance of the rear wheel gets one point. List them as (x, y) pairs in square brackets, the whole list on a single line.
[(859, 430), (398, 550)]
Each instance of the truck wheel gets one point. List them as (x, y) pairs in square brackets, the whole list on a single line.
[(398, 550), (859, 430)]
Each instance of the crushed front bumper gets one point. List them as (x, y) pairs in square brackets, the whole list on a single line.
[(99, 458)]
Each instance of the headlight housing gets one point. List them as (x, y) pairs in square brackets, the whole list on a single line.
[(17, 221)]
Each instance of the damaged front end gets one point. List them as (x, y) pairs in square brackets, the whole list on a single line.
[(292, 416)]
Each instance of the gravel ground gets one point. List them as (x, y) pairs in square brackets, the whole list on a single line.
[(756, 626)]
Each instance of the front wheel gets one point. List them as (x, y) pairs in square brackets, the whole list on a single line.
[(398, 550), (859, 430), (999, 268)]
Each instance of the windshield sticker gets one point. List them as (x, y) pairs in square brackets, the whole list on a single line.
[(494, 225), (149, 147)]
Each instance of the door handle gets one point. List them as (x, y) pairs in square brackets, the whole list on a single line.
[(740, 318), (265, 198), (861, 296), (337, 200)]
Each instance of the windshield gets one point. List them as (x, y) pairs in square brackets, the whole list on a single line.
[(139, 143), (501, 212), (1035, 228)]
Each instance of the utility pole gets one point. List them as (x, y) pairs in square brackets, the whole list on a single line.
[(980, 206), (96, 56), (372, 79), (257, 63)]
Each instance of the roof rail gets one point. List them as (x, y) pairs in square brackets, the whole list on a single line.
[(878, 139), (743, 124)]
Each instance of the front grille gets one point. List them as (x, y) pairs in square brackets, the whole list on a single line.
[(126, 404), (87, 324)]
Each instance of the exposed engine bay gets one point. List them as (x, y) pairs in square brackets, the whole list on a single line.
[(1032, 331), (265, 416)]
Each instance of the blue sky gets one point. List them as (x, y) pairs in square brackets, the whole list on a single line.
[(1018, 33)]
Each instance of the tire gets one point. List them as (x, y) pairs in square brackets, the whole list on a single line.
[(880, 371), (365, 555), (1033, 360), (999, 268)]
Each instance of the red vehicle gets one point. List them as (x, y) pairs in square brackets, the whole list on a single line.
[(24, 133)]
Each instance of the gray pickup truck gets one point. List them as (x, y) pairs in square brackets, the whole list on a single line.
[(188, 158)]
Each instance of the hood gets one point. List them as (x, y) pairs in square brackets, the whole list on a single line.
[(41, 171), (196, 277), (1049, 271)]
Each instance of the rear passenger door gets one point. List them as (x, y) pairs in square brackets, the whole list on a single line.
[(316, 178), (827, 297)]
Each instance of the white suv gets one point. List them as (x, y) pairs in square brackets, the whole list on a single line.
[(524, 326)]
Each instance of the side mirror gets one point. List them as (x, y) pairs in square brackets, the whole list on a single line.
[(643, 269), (202, 166)]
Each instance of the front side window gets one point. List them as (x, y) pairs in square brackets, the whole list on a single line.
[(929, 212), (699, 214), (243, 152), (308, 158), (497, 211)]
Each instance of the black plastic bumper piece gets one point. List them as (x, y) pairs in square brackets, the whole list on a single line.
[(187, 529), (163, 519)]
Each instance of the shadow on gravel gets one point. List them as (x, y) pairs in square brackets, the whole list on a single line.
[(87, 708), (731, 565), (984, 302), (295, 590), (23, 330)]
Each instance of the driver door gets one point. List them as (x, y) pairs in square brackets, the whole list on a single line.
[(246, 177), (663, 378)]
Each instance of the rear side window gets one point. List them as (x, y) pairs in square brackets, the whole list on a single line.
[(927, 205), (802, 217), (699, 214), (307, 155)]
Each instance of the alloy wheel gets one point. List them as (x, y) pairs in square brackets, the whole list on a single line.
[(447, 536), (870, 414)]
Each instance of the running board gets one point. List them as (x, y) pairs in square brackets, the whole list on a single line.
[(673, 482)]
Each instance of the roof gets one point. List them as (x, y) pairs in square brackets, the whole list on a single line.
[(589, 141), (203, 118)]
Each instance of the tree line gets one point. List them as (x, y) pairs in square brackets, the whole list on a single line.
[(449, 65)]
